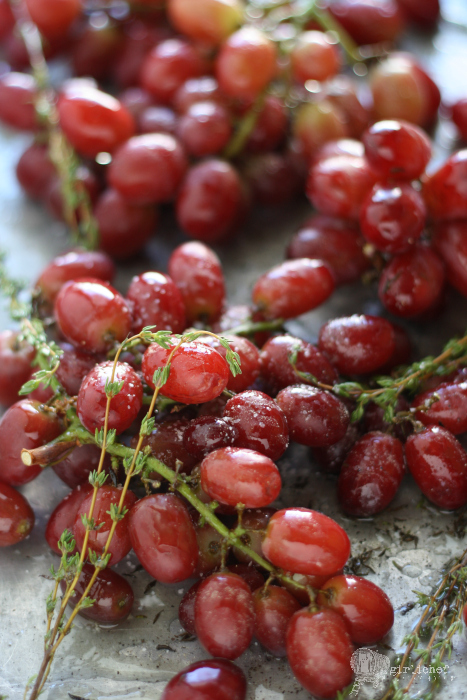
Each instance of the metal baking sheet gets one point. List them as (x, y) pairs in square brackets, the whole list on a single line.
[(402, 549)]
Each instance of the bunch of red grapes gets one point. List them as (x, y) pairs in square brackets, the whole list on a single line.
[(188, 79)]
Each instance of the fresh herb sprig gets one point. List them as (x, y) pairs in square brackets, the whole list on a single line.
[(386, 390)]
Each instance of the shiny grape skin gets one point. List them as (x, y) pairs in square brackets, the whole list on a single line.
[(25, 425), (124, 407), (274, 607), (224, 615), (206, 434), (167, 443), (448, 408), (249, 360), (111, 592), (71, 266), (316, 418), (120, 545), (92, 315), (15, 365), (369, 21), (412, 282), (156, 301), (305, 542), (16, 516), (234, 475), (73, 368), (277, 371), (35, 171), (148, 169), (168, 65), (438, 463), (357, 344), (197, 373), (197, 272), (293, 288), (214, 679), (397, 150), (186, 609), (164, 538), (64, 514), (94, 121), (444, 189), (259, 422), (364, 606), (371, 474), (319, 651)]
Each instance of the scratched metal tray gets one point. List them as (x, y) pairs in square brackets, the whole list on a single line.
[(402, 549)]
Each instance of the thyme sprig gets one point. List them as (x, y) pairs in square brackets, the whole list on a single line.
[(441, 619), (135, 461), (386, 390)]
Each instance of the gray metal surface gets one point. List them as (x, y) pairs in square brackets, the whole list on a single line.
[(403, 548)]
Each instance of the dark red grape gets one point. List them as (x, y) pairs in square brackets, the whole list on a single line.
[(438, 463), (163, 537), (156, 301), (206, 434), (224, 615), (259, 423), (168, 65), (64, 515), (26, 425), (18, 92), (357, 344), (112, 594), (450, 242), (74, 469), (369, 21), (444, 189), (16, 516), (274, 607), (397, 150), (124, 228), (16, 357), (120, 544), (371, 474)]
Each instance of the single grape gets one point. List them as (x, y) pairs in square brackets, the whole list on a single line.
[(450, 242), (35, 171), (369, 21), (444, 189), (397, 150), (74, 469), (224, 615), (167, 443), (157, 119), (314, 57), (71, 266), (26, 425), (315, 417), (206, 434), (168, 65), (214, 679), (16, 357), (446, 405), (259, 423), (112, 594), (163, 537), (364, 606), (156, 301), (438, 463), (293, 288), (197, 272), (274, 607), (357, 344), (18, 92), (277, 370), (204, 129), (92, 315), (316, 123), (197, 372), (16, 516), (319, 651), (93, 121), (91, 406), (210, 21), (246, 63), (234, 475), (336, 241), (305, 542), (120, 544), (64, 515), (148, 169), (371, 474)]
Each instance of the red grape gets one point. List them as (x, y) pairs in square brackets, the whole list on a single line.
[(167, 66), (163, 537), (124, 228), (246, 63), (16, 357), (18, 92), (397, 150), (314, 57), (306, 542), (70, 266), (54, 17), (450, 242), (274, 608), (204, 129), (156, 301), (112, 594), (16, 516), (214, 679), (64, 515), (206, 434), (209, 21)]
